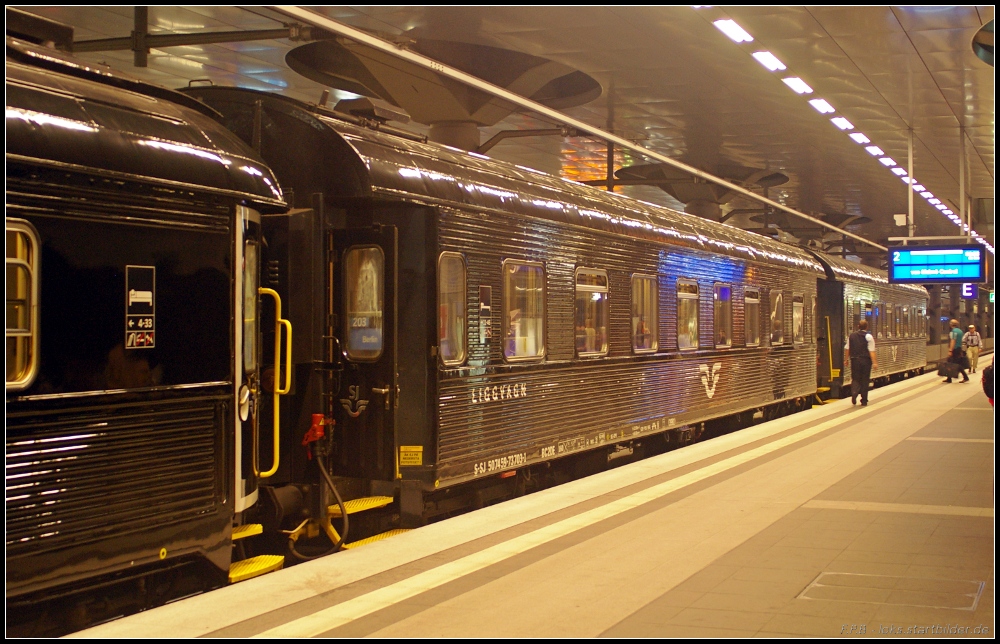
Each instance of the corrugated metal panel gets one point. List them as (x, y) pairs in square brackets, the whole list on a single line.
[(897, 354), (404, 168), (494, 415), (77, 477)]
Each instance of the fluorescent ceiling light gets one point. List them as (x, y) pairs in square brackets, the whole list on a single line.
[(934, 201), (767, 59), (948, 212), (860, 138), (733, 30), (899, 171), (875, 151), (822, 106), (919, 188), (905, 179), (798, 85), (887, 162), (941, 206), (842, 123), (927, 195)]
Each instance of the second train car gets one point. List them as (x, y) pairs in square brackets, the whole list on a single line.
[(465, 326)]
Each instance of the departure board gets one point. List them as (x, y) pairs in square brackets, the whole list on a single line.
[(937, 264)]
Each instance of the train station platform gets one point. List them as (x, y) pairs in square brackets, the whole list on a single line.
[(839, 521)]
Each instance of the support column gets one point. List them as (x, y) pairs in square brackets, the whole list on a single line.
[(910, 227), (140, 21), (611, 145), (961, 176)]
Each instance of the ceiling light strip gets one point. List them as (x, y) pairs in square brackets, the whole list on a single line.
[(307, 15), (771, 62)]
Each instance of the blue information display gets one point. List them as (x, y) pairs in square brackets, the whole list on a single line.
[(937, 264)]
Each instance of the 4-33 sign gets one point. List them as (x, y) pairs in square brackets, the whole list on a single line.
[(140, 307)]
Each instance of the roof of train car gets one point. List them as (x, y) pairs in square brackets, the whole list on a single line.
[(395, 165), (67, 115), (847, 270)]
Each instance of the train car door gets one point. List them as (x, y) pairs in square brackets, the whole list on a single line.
[(364, 302), (247, 355)]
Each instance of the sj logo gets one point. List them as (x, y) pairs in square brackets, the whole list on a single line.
[(710, 378), (894, 347), (352, 405)]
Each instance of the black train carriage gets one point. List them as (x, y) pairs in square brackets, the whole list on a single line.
[(896, 315), (486, 318), (132, 225)]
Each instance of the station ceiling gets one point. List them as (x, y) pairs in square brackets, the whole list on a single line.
[(673, 82)]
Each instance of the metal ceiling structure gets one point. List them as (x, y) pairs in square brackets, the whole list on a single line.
[(675, 84)]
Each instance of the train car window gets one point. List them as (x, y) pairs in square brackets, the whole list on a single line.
[(524, 310), (251, 272), (363, 289), (777, 313), (22, 303), (865, 311), (451, 308), (898, 327), (723, 298), (687, 314), (906, 315), (877, 319), (751, 305), (591, 322), (798, 319), (644, 314)]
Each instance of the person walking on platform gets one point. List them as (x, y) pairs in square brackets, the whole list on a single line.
[(955, 350), (971, 342), (860, 350)]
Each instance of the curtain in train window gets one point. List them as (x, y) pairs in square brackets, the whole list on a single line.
[(777, 313), (22, 303), (644, 314), (817, 332), (363, 310), (687, 314), (591, 319), (723, 312), (798, 319), (451, 308), (751, 305), (251, 271), (524, 310)]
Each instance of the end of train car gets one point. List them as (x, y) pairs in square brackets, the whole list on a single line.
[(132, 236)]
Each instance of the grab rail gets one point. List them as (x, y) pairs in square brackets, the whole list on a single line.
[(278, 390)]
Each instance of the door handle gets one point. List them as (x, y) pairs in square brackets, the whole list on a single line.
[(385, 392)]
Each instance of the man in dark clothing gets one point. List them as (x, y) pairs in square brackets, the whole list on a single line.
[(860, 350)]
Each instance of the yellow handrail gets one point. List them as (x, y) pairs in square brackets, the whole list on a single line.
[(278, 391)]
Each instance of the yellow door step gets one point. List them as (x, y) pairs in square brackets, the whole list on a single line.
[(254, 567), (378, 537), (360, 505), (247, 530)]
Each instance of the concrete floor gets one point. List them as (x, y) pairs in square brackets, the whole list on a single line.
[(839, 521)]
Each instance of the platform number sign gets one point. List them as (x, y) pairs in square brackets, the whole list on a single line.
[(140, 307)]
